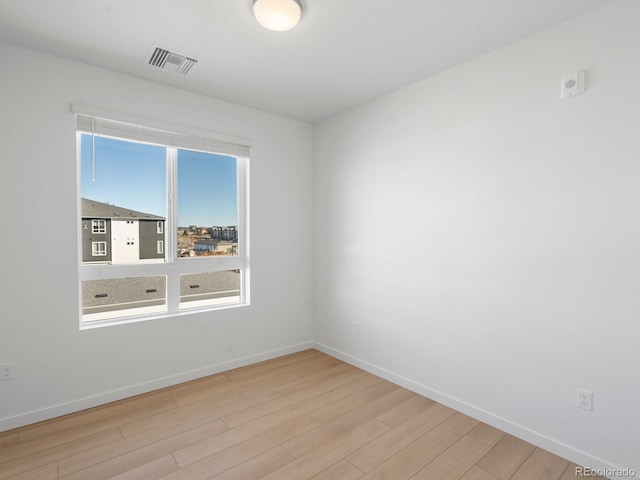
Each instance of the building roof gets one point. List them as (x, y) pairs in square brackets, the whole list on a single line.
[(93, 209), (207, 241), (214, 241)]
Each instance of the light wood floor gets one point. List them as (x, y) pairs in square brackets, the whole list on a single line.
[(302, 416)]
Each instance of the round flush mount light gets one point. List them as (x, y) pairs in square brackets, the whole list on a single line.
[(278, 15)]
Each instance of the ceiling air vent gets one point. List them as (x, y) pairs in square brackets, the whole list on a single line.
[(171, 61)]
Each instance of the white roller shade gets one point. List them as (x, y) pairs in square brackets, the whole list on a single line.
[(113, 128)]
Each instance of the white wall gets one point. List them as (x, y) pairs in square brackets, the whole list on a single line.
[(486, 237), (59, 368)]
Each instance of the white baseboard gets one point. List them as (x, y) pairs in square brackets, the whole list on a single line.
[(77, 405), (558, 448)]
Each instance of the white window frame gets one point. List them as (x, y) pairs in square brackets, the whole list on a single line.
[(97, 251), (159, 228), (98, 226), (174, 266), (160, 247)]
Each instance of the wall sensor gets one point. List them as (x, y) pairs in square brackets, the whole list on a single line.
[(572, 84)]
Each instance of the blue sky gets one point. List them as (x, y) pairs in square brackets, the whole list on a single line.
[(133, 175)]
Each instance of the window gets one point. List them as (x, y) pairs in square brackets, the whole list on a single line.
[(98, 226), (98, 249), (160, 197)]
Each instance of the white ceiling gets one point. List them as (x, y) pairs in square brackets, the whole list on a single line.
[(343, 52)]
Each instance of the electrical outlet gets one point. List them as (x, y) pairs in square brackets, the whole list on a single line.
[(6, 371), (585, 399), (356, 328)]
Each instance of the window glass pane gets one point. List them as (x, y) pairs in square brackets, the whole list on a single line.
[(212, 288), (120, 297), (99, 249), (207, 204), (99, 226), (123, 188)]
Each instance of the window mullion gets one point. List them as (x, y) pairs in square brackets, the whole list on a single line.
[(243, 226), (173, 276)]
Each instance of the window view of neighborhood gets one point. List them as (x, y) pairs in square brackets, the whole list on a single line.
[(129, 229), (113, 234), (196, 241)]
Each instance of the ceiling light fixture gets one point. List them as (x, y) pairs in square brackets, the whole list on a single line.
[(278, 15)]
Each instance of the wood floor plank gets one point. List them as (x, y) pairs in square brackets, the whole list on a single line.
[(325, 433), (327, 455), (506, 457), (343, 470), (477, 473), (123, 446), (414, 457), (541, 465), (240, 434), (236, 389), (150, 471), (8, 439), (132, 459), (203, 411), (256, 467), (98, 415), (24, 457), (455, 461), (283, 401), (353, 402), (317, 367), (224, 459), (56, 436), (406, 410), (392, 442), (45, 472), (337, 375), (487, 434), (364, 381)]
